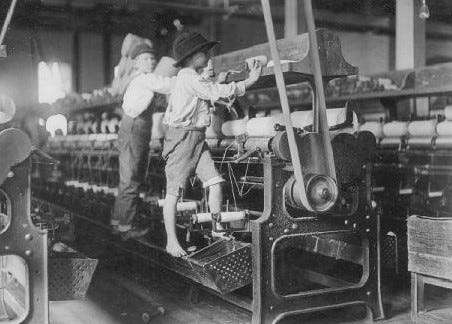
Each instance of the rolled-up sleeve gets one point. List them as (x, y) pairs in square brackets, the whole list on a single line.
[(208, 90)]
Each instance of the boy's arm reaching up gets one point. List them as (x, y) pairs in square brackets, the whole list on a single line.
[(141, 90), (158, 83), (207, 90)]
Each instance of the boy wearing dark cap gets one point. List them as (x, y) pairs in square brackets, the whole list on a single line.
[(134, 136), (187, 117)]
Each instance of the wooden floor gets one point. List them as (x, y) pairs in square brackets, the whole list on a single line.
[(120, 295)]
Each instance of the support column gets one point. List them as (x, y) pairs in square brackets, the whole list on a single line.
[(106, 48), (214, 28), (76, 60), (294, 18), (290, 18), (410, 45)]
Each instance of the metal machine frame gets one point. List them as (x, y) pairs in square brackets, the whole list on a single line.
[(21, 237), (276, 224)]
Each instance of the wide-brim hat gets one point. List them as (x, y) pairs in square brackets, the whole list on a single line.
[(187, 44)]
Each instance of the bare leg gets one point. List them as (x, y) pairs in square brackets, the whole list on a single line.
[(216, 200), (169, 215)]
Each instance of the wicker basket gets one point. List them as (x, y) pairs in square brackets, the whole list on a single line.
[(70, 275), (223, 266)]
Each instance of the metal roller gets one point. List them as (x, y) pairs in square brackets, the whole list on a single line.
[(390, 142), (420, 142), (443, 143)]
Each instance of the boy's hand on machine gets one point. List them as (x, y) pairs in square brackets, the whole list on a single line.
[(222, 77), (255, 70), (254, 74)]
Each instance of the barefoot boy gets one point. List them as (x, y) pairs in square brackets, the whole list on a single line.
[(187, 116)]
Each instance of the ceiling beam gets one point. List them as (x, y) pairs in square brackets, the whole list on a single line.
[(128, 18)]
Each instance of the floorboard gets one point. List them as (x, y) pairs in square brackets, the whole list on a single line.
[(120, 295)]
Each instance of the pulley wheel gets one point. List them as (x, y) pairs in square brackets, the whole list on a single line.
[(321, 191)]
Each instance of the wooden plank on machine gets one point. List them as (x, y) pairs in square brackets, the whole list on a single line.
[(294, 49)]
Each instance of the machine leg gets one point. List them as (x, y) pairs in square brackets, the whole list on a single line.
[(417, 295)]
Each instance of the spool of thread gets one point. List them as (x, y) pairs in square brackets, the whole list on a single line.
[(225, 217), (234, 127), (158, 128), (264, 126), (301, 119), (444, 128), (113, 125), (422, 128), (181, 206), (334, 116), (448, 112), (395, 129), (375, 128), (337, 116), (201, 218)]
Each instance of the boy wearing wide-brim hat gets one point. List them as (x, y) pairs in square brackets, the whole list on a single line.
[(134, 136), (187, 117)]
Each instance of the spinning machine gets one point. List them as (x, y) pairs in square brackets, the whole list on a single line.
[(412, 176), (299, 232)]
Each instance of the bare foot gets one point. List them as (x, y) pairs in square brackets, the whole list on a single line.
[(173, 247)]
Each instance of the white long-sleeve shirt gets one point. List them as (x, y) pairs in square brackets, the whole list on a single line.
[(187, 105), (140, 92)]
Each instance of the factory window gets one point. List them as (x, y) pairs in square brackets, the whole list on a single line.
[(56, 125), (54, 81)]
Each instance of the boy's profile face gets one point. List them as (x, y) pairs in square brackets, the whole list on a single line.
[(199, 60), (145, 62)]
